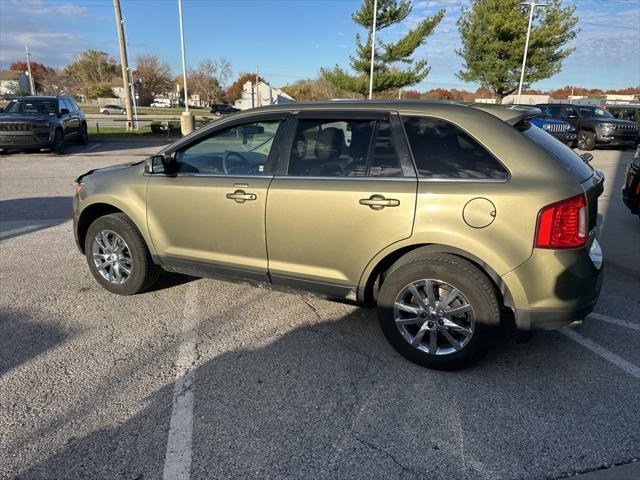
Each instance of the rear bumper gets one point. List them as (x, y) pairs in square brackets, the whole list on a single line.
[(556, 287), (24, 140)]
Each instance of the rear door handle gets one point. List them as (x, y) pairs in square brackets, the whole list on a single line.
[(240, 196), (378, 202)]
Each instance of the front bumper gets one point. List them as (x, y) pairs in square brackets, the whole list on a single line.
[(617, 140), (32, 139), (556, 287), (565, 137)]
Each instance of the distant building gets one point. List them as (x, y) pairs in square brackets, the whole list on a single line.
[(525, 99), (261, 94), (12, 82), (485, 100), (616, 96)]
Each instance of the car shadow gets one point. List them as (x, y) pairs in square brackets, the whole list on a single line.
[(331, 399), (24, 337), (19, 216)]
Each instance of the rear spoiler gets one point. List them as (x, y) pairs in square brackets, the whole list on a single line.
[(511, 114)]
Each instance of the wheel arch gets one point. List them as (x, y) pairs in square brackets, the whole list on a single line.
[(370, 282), (88, 216)]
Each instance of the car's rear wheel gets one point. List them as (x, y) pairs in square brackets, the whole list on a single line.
[(118, 256), (106, 112), (83, 138), (57, 147), (437, 310), (586, 140)]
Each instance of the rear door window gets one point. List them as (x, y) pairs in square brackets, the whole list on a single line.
[(344, 148), (441, 150)]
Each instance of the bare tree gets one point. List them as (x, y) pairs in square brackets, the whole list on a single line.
[(209, 78), (154, 77)]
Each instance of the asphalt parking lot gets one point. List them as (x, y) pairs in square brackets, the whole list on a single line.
[(206, 379)]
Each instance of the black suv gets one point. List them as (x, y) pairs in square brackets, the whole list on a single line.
[(595, 126), (41, 122), (220, 109)]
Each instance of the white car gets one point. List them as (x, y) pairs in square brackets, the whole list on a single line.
[(160, 105), (109, 109)]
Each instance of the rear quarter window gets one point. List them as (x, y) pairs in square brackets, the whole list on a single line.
[(567, 157), (441, 150)]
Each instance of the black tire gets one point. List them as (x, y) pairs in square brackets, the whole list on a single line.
[(586, 140), (4, 151), (57, 147), (83, 138), (570, 144), (106, 112), (144, 272), (457, 272)]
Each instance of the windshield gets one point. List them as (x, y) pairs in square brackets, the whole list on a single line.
[(595, 113), (33, 106)]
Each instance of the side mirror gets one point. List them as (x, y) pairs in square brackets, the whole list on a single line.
[(158, 164), (64, 111)]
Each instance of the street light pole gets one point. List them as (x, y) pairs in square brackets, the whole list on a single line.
[(532, 6), (32, 85), (373, 46), (186, 120)]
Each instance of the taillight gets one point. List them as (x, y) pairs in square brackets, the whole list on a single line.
[(563, 224)]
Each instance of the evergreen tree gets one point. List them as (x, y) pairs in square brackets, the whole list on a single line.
[(493, 34), (387, 74)]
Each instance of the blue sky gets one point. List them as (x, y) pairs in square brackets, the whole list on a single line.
[(292, 39)]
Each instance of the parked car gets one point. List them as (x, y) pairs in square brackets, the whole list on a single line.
[(116, 109), (160, 105), (563, 131), (624, 110), (631, 188), (444, 216), (595, 126), (41, 122), (220, 109)]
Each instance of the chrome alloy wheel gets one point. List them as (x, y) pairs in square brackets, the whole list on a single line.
[(112, 257), (434, 317)]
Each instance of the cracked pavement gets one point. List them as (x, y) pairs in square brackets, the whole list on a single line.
[(284, 385)]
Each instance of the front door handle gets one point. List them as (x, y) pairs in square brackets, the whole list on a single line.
[(378, 202), (240, 196)]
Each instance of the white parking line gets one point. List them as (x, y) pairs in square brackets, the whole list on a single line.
[(177, 462), (620, 362), (16, 231), (615, 321)]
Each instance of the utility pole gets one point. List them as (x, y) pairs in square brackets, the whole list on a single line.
[(532, 5), (373, 46), (32, 84), (186, 120), (131, 86), (125, 65), (258, 99)]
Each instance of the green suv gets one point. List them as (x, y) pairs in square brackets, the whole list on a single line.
[(446, 217)]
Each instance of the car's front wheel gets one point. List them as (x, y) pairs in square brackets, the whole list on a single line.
[(586, 140), (83, 138), (57, 146), (118, 256), (437, 310)]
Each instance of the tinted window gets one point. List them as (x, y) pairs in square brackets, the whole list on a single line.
[(562, 112), (239, 150), (569, 159), (343, 148), (442, 150), (33, 106)]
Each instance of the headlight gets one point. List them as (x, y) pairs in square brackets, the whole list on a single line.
[(607, 126), (572, 128), (41, 124), (546, 127)]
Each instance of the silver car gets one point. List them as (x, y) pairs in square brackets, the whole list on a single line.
[(109, 109)]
